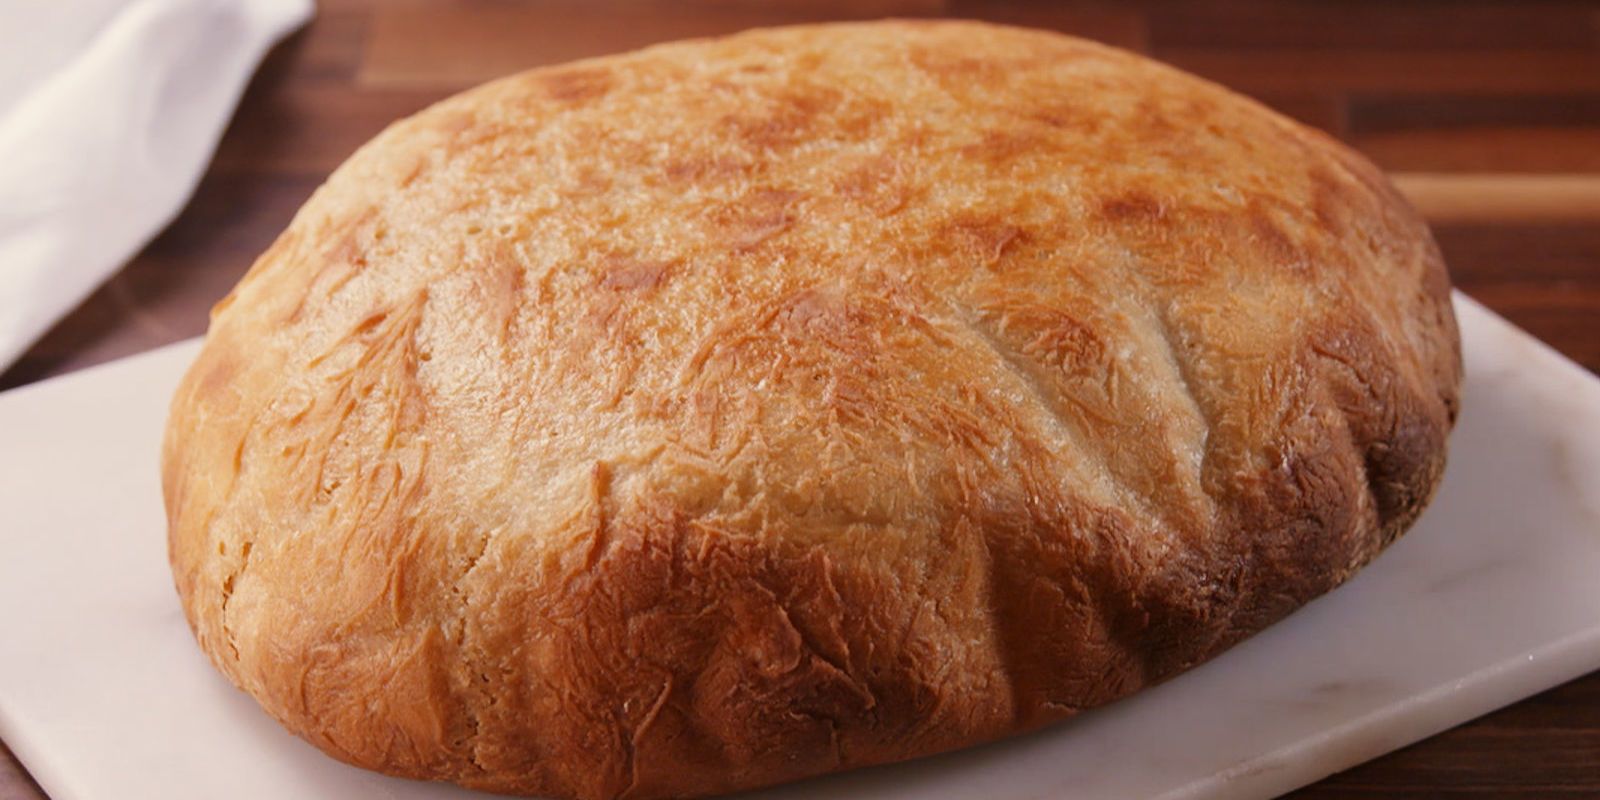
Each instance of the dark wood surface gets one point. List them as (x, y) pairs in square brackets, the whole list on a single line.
[(1487, 114)]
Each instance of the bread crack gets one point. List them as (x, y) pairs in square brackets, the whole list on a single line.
[(472, 697), (1027, 374), (631, 746), (228, 585)]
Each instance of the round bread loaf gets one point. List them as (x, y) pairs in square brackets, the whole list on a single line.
[(740, 410)]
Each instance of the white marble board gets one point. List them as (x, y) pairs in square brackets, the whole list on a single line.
[(1493, 596)]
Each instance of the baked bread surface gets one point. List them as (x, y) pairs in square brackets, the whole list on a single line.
[(739, 410)]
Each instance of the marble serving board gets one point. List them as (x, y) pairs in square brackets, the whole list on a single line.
[(1493, 596)]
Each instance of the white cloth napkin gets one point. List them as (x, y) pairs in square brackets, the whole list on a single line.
[(109, 113)]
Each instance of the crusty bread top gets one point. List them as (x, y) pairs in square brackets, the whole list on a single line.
[(743, 409)]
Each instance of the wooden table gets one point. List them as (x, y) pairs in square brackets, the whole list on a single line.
[(1487, 114)]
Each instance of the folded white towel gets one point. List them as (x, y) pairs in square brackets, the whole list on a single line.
[(109, 113)]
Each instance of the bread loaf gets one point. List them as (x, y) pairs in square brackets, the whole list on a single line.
[(746, 409)]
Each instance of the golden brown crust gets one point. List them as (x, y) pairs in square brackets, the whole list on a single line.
[(746, 409)]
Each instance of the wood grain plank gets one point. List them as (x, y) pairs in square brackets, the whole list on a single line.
[(1544, 150), (1565, 315), (1450, 132), (1503, 197), (426, 46), (623, 9), (1119, 26), (857, 9), (1373, 24), (434, 46), (307, 128), (1324, 111), (328, 50), (1499, 251), (1491, 757), (1499, 71), (1375, 114)]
